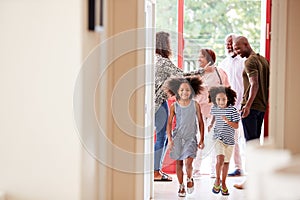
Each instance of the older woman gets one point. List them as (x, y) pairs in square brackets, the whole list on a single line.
[(211, 76)]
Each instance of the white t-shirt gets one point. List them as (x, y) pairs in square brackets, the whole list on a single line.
[(234, 69)]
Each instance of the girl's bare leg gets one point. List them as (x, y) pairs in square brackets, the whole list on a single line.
[(179, 171), (224, 175), (189, 166), (219, 166), (189, 172)]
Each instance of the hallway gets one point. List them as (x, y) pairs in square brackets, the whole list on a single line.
[(50, 66)]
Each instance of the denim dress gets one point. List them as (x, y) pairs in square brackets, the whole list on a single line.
[(184, 134)]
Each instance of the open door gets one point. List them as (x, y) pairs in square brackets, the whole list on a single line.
[(267, 55), (149, 77)]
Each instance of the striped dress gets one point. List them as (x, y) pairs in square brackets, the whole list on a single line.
[(184, 134), (222, 131)]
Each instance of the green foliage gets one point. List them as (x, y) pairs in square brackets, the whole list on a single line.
[(207, 22), (166, 15)]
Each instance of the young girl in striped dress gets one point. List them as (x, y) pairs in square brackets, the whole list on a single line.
[(225, 119), (183, 143)]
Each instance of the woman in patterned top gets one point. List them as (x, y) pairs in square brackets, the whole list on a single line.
[(226, 119), (164, 68)]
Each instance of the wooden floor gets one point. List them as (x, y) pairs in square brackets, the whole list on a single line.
[(203, 189)]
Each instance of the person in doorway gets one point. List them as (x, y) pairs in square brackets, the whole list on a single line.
[(256, 90), (211, 76), (183, 140), (226, 119), (233, 65), (164, 68)]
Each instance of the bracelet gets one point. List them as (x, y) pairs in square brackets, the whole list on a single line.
[(199, 72)]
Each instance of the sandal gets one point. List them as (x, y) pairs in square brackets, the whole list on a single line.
[(190, 189), (164, 178), (224, 191), (181, 191), (216, 189), (163, 173)]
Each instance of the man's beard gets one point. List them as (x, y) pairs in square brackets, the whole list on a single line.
[(231, 54)]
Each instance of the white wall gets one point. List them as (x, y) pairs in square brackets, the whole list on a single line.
[(40, 55), (292, 107), (43, 46), (284, 80)]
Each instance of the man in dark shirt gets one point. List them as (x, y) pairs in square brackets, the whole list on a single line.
[(256, 89)]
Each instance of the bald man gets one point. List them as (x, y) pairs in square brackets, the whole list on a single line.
[(256, 90)]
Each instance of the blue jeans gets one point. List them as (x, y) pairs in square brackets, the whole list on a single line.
[(160, 147), (252, 124)]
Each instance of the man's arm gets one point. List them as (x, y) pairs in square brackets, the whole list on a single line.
[(254, 86)]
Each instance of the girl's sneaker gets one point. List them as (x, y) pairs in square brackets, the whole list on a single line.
[(181, 191)]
